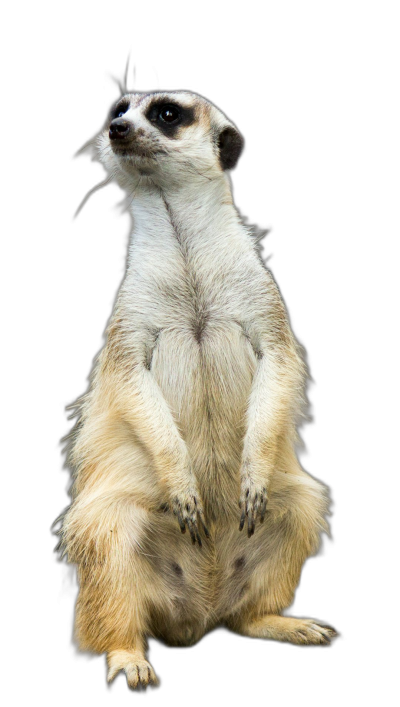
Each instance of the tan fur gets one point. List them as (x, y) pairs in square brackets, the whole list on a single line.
[(192, 408)]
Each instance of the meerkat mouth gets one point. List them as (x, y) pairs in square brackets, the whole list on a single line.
[(136, 152), (125, 151)]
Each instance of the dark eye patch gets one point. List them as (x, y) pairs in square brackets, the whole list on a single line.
[(169, 117), (120, 109)]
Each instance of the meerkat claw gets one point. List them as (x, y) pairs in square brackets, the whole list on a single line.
[(200, 515), (242, 520), (180, 522)]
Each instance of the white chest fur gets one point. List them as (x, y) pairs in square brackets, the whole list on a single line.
[(194, 282)]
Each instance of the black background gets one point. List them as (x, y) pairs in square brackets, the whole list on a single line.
[(293, 93)]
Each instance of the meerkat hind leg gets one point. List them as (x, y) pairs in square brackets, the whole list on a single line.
[(286, 628), (139, 672), (291, 534)]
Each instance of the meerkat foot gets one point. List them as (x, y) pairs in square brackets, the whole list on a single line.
[(285, 628), (139, 672)]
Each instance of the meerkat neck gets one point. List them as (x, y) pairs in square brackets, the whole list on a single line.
[(192, 212), (197, 196)]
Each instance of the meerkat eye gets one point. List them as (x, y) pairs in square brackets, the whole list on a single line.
[(170, 114), (120, 110)]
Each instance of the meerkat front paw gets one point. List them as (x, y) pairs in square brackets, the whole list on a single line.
[(187, 507), (253, 504), (139, 672)]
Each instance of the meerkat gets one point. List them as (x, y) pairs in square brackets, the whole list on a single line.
[(190, 420)]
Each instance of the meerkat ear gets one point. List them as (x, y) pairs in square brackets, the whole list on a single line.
[(230, 144)]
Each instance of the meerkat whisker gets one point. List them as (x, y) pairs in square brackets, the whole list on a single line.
[(125, 84), (97, 187), (118, 83)]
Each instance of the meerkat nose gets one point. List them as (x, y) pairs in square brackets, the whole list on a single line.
[(119, 129)]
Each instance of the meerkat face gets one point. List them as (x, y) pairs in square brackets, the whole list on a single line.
[(167, 138)]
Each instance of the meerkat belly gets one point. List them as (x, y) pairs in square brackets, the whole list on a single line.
[(193, 588), (206, 379)]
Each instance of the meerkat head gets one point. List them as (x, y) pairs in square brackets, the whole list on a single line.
[(167, 138)]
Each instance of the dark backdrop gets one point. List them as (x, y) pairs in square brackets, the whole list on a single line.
[(293, 99)]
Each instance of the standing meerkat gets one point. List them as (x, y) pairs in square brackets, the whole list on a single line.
[(191, 411)]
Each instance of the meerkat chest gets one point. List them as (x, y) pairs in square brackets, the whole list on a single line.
[(202, 359), (197, 291), (191, 306)]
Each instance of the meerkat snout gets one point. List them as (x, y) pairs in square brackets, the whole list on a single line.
[(119, 129)]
